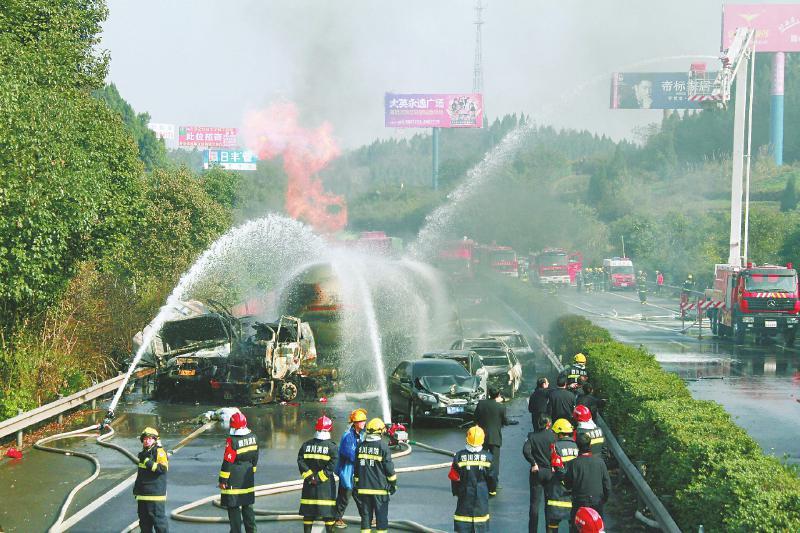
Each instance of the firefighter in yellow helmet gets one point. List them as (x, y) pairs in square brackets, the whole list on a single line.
[(375, 478), (150, 488), (576, 373), (469, 481), (347, 458), (558, 500)]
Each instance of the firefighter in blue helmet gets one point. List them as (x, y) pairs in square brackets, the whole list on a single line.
[(316, 460), (150, 488), (470, 476), (237, 475)]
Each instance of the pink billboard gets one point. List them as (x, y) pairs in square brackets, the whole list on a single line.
[(207, 137), (777, 25), (433, 110)]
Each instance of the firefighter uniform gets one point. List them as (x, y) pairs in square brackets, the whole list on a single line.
[(150, 488), (598, 441), (237, 473), (576, 375), (558, 500), (317, 460), (375, 478), (474, 471)]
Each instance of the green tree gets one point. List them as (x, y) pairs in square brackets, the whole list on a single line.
[(789, 196)]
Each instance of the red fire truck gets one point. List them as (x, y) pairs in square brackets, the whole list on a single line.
[(762, 300), (456, 258), (500, 259), (555, 266)]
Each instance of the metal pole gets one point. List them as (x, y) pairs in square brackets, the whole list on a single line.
[(749, 155), (435, 159), (623, 244), (776, 115), (19, 433), (737, 161)]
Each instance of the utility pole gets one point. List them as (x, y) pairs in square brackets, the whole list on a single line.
[(477, 69)]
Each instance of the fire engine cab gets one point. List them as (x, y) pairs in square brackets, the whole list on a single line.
[(761, 300)]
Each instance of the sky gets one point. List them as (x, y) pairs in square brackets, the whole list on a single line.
[(207, 62)]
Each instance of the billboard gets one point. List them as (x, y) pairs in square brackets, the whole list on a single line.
[(660, 90), (433, 110), (230, 159), (777, 25), (163, 131), (203, 136)]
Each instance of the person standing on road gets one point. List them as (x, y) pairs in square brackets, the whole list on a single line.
[(490, 415), (562, 401), (587, 477), (347, 458), (470, 475), (150, 487), (537, 452), (375, 478), (539, 402), (659, 282), (576, 373), (237, 475), (583, 418), (558, 501), (588, 399), (316, 460)]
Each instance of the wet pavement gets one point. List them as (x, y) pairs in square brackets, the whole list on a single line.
[(759, 385)]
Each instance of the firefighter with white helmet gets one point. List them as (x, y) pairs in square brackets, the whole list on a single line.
[(316, 460), (469, 480), (375, 478)]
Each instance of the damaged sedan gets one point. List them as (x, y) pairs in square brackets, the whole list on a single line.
[(439, 389)]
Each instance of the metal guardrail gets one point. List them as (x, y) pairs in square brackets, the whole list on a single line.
[(662, 516), (24, 420)]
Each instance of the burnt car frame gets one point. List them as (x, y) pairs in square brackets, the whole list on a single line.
[(469, 359)]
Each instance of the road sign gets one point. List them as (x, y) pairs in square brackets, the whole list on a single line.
[(230, 159)]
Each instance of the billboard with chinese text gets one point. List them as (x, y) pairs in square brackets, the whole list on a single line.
[(660, 90), (230, 159), (777, 25), (202, 136), (433, 110)]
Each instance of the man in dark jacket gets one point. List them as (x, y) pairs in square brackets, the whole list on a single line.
[(588, 399), (316, 460), (539, 402), (469, 478), (375, 478), (562, 401), (237, 475), (537, 449), (490, 415), (588, 478), (150, 488)]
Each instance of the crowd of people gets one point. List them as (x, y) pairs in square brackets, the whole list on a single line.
[(566, 452)]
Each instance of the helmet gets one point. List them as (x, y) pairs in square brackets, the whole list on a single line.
[(587, 520), (475, 436), (358, 415), (581, 413), (324, 424), (148, 432), (376, 425), (562, 425), (580, 358), (238, 421), (689, 276)]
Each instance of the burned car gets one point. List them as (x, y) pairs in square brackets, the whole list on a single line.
[(505, 371), (273, 364), (470, 360), (433, 389), (514, 339)]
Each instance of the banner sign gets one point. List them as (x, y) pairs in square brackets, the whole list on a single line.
[(208, 137), (777, 25), (230, 159), (433, 110), (660, 90), (163, 131)]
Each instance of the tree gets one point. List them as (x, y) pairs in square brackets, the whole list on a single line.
[(789, 196)]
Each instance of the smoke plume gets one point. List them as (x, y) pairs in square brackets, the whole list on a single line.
[(275, 131)]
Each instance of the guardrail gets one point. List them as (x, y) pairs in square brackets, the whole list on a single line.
[(22, 421), (662, 516)]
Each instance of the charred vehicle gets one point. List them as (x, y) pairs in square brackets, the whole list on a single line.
[(514, 339), (433, 389), (274, 364), (470, 360), (505, 370)]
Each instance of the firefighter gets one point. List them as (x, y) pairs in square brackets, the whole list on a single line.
[(316, 460), (588, 399), (659, 282), (375, 478), (587, 477), (150, 488), (583, 418), (558, 501), (587, 520), (688, 285), (347, 458), (537, 452), (469, 482), (579, 280), (641, 286), (237, 475), (576, 373)]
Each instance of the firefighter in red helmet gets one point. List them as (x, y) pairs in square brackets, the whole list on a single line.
[(317, 461), (587, 520), (237, 475)]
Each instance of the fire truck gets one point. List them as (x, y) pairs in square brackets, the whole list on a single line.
[(456, 258), (499, 259), (555, 266), (619, 274), (761, 300)]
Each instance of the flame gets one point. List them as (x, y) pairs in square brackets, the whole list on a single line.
[(275, 131)]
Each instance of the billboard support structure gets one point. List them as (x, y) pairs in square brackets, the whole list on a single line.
[(776, 114), (435, 176)]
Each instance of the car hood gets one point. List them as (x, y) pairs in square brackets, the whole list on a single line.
[(497, 370), (450, 384)]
